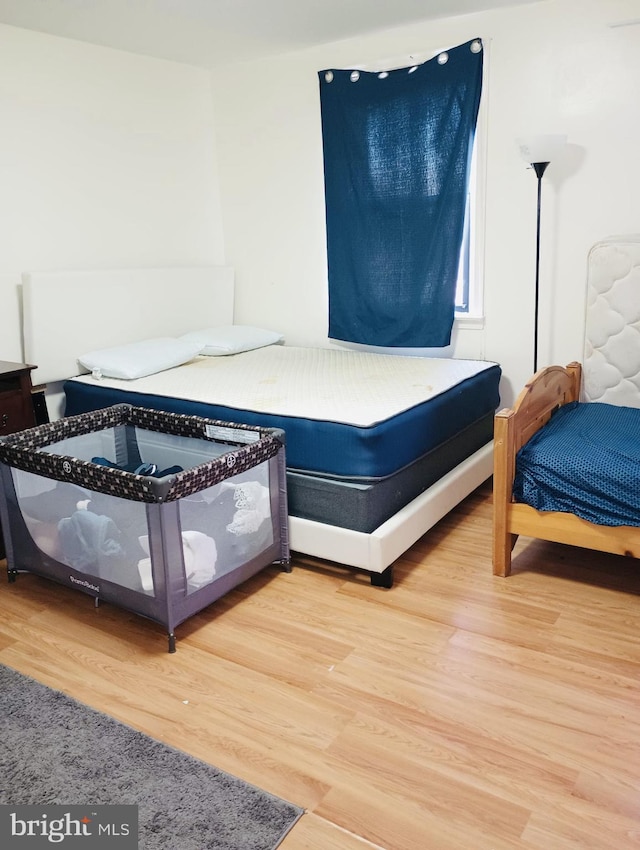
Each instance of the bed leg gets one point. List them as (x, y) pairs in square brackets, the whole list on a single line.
[(172, 642), (383, 579), (504, 470), (502, 549)]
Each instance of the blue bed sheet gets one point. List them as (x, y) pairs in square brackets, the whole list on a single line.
[(585, 461)]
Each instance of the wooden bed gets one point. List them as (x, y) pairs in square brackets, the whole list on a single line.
[(68, 313), (609, 375), (549, 389)]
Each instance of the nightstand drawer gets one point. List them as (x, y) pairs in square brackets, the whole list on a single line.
[(12, 413)]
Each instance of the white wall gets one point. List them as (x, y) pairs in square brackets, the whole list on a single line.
[(553, 66), (107, 159)]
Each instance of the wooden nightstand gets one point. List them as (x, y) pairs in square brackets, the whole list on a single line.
[(16, 403), (16, 406)]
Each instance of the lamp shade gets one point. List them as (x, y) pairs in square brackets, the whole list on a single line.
[(541, 148)]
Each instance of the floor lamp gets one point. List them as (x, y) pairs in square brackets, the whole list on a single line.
[(538, 151)]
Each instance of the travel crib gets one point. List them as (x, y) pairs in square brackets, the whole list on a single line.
[(159, 513)]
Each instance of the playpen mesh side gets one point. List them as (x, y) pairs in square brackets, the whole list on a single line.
[(104, 536)]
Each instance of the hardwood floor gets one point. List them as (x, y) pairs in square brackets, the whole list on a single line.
[(456, 710)]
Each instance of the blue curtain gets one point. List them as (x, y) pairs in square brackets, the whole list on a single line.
[(397, 151)]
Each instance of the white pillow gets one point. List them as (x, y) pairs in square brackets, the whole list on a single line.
[(138, 359), (232, 339)]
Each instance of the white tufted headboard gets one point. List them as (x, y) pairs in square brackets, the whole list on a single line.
[(611, 362)]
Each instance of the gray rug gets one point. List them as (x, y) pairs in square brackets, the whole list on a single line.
[(55, 750)]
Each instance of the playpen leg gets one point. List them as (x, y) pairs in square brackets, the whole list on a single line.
[(172, 642), (383, 579)]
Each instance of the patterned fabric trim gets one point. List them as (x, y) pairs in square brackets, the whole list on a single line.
[(21, 451)]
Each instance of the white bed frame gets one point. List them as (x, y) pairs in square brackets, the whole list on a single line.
[(69, 313)]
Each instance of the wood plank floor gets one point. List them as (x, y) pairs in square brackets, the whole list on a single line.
[(456, 710)]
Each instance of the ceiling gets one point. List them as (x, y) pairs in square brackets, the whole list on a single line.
[(215, 32)]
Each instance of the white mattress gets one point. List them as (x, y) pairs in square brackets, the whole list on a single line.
[(352, 387), (345, 413)]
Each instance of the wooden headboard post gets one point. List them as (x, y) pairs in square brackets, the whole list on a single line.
[(548, 390)]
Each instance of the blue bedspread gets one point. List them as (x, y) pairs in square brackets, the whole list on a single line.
[(585, 461)]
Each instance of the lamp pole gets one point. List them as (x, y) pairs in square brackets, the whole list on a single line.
[(539, 168), (538, 151)]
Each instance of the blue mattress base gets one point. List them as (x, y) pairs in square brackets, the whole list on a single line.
[(333, 448), (365, 505), (585, 461)]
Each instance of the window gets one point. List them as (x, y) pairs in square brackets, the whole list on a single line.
[(463, 283), (469, 283)]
